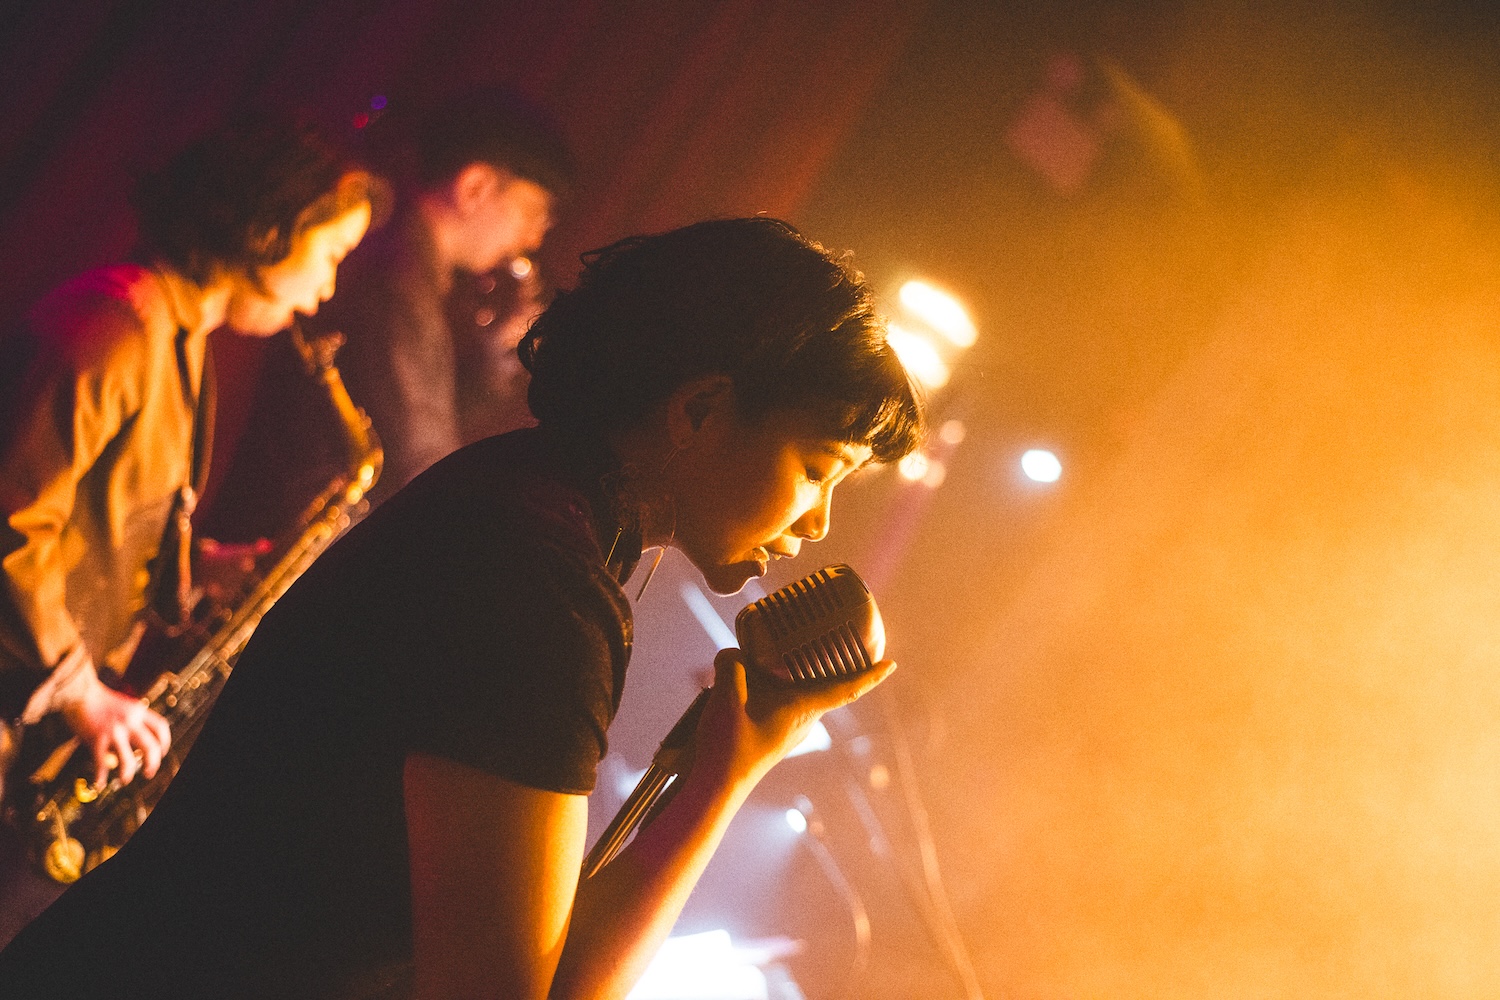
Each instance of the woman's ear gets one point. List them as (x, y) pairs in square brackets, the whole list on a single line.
[(696, 406), (262, 242), (471, 186)]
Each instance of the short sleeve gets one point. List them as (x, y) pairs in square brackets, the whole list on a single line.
[(522, 680)]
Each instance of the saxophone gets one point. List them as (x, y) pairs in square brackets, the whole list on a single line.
[(69, 824)]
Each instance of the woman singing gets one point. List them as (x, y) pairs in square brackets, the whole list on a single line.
[(390, 797)]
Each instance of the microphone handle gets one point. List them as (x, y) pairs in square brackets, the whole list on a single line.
[(648, 798)]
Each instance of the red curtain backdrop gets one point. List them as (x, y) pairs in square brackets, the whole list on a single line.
[(676, 110)]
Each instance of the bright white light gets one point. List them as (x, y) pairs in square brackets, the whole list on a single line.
[(952, 432), (703, 966), (816, 739), (936, 473), (626, 782), (913, 466), (940, 311), (1041, 466), (520, 268), (918, 355), (721, 634), (796, 820)]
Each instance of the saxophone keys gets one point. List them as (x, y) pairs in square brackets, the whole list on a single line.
[(63, 860), (84, 790)]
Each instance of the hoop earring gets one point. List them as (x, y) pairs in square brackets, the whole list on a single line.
[(671, 534), (661, 549)]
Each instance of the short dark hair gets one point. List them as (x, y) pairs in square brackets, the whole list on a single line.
[(494, 126), (238, 198), (792, 325)]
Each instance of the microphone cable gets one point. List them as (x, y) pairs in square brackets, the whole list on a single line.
[(938, 911), (859, 915)]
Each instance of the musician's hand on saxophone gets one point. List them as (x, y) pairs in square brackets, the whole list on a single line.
[(120, 731)]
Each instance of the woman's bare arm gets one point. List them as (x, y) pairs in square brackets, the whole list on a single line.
[(495, 864), (493, 869)]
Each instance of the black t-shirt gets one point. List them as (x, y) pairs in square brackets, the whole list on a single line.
[(472, 617)]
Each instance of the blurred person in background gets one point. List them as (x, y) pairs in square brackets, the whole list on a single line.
[(477, 180), (483, 176), (106, 420)]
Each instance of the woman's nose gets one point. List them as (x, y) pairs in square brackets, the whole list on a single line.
[(813, 525)]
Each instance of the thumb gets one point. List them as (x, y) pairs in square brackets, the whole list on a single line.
[(730, 672), (828, 695)]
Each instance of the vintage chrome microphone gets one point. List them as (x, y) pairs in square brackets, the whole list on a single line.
[(822, 627)]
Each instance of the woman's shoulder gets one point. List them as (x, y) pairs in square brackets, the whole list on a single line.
[(492, 506), (515, 485), (114, 313)]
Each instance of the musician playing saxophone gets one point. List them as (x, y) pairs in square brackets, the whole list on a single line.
[(106, 421)]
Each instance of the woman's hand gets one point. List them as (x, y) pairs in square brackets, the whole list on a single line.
[(114, 727), (752, 721)]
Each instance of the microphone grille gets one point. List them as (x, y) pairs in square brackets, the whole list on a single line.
[(836, 653), (800, 604), (824, 625)]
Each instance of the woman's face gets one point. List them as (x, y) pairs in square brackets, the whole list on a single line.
[(748, 493), (299, 282)]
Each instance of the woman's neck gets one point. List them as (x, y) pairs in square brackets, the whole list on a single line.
[(200, 308)]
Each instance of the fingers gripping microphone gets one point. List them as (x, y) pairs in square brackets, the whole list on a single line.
[(823, 627)]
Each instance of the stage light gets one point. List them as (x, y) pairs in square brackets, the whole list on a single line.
[(919, 467), (952, 432), (914, 466), (626, 782), (1041, 466), (919, 356), (817, 739), (940, 311), (704, 966), (520, 267), (698, 603), (796, 820)]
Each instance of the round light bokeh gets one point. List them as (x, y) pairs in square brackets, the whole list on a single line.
[(1041, 466)]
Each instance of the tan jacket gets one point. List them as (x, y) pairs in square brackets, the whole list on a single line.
[(99, 443)]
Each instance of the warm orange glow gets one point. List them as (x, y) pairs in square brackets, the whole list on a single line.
[(939, 310), (952, 432), (919, 356), (914, 466), (937, 472), (1235, 730)]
